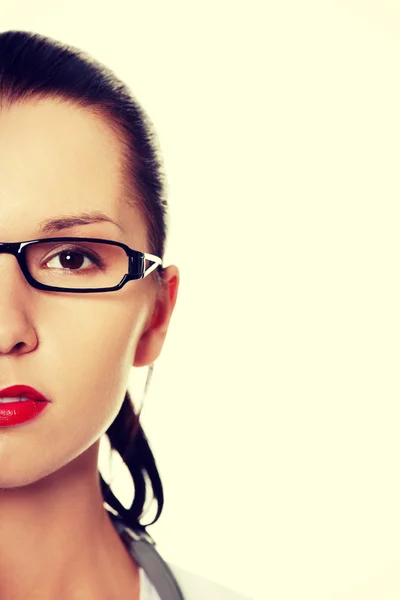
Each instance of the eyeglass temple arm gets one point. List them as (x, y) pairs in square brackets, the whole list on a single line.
[(154, 259)]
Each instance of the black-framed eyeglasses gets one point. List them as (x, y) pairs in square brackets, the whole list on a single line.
[(80, 264)]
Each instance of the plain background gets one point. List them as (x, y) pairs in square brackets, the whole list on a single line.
[(274, 409)]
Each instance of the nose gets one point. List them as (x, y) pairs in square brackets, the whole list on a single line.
[(17, 333)]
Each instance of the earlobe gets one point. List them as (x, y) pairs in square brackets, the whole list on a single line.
[(148, 348)]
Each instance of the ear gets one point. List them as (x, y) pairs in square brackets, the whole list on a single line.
[(152, 340)]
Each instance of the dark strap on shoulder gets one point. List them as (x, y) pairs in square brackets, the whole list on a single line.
[(142, 548)]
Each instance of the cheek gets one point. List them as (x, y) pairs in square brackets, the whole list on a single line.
[(92, 346), (88, 351), (87, 324)]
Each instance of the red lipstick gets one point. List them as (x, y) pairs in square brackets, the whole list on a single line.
[(14, 413)]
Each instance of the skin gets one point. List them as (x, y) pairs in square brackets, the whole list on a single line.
[(56, 539)]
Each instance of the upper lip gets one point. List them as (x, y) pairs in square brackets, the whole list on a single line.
[(16, 391)]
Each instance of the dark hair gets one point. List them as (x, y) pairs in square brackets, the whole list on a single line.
[(33, 67)]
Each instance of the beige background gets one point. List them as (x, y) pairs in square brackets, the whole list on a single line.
[(274, 409)]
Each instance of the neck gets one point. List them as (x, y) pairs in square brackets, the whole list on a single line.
[(57, 540)]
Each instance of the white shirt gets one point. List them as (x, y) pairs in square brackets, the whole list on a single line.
[(193, 587)]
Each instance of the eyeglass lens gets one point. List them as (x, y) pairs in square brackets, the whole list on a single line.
[(76, 264)]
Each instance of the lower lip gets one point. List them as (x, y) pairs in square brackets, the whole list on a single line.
[(14, 413)]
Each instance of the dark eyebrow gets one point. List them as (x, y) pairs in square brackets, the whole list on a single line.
[(65, 222)]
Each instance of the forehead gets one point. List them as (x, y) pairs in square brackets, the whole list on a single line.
[(58, 158), (50, 139)]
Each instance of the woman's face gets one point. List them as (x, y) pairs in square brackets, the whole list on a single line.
[(76, 349)]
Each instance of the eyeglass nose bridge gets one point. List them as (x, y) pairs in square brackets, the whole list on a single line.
[(10, 248), (15, 248)]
